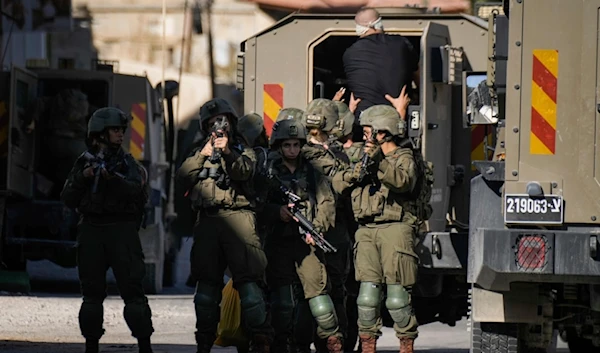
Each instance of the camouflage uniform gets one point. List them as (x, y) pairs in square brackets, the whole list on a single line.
[(251, 127), (108, 235), (225, 233), (323, 114), (385, 241), (344, 131), (285, 248)]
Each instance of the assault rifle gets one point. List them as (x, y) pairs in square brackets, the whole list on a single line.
[(305, 226), (98, 163), (219, 129), (361, 170)]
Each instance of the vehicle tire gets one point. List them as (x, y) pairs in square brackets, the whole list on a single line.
[(492, 337)]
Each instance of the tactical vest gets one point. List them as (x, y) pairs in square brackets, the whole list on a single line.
[(215, 189), (301, 183), (373, 202), (336, 149), (355, 152), (106, 201)]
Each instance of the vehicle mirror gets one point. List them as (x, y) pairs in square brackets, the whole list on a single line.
[(478, 105)]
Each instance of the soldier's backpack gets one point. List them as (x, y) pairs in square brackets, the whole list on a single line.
[(423, 188)]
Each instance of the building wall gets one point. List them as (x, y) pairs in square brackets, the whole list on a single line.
[(131, 31)]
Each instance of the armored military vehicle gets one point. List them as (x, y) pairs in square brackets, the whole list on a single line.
[(534, 261), (300, 58), (43, 119)]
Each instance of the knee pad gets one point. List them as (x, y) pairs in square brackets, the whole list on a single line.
[(282, 307), (368, 303), (323, 311), (398, 304), (91, 317), (253, 304), (206, 302), (138, 317)]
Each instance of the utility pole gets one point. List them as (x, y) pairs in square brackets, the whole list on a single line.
[(211, 62)]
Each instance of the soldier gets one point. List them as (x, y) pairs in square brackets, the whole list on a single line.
[(344, 133), (251, 126), (285, 248), (344, 130), (108, 229), (289, 113), (218, 177), (327, 156), (384, 205)]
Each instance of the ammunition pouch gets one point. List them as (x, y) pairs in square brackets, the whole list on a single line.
[(214, 189), (374, 205)]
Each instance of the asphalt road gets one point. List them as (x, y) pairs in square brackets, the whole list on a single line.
[(46, 320)]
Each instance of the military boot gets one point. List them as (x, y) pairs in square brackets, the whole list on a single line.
[(335, 345), (302, 349), (368, 343), (204, 342), (144, 345), (260, 344), (282, 344), (92, 346), (406, 345)]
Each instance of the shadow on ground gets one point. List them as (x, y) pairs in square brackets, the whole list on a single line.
[(42, 347)]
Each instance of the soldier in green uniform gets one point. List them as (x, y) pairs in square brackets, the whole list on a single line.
[(289, 113), (285, 248), (108, 229), (354, 150), (218, 177), (327, 155), (384, 205), (344, 133), (252, 128)]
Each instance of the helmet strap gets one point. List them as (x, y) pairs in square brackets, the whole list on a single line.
[(105, 138), (388, 138)]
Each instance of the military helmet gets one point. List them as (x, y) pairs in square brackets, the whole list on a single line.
[(214, 107), (321, 113), (290, 113), (105, 118), (287, 129), (250, 126), (383, 118), (345, 122)]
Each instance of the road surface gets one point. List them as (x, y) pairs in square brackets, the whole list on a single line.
[(45, 321)]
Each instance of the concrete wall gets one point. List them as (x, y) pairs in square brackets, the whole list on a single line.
[(131, 31)]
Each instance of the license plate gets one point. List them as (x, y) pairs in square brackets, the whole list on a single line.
[(522, 208)]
